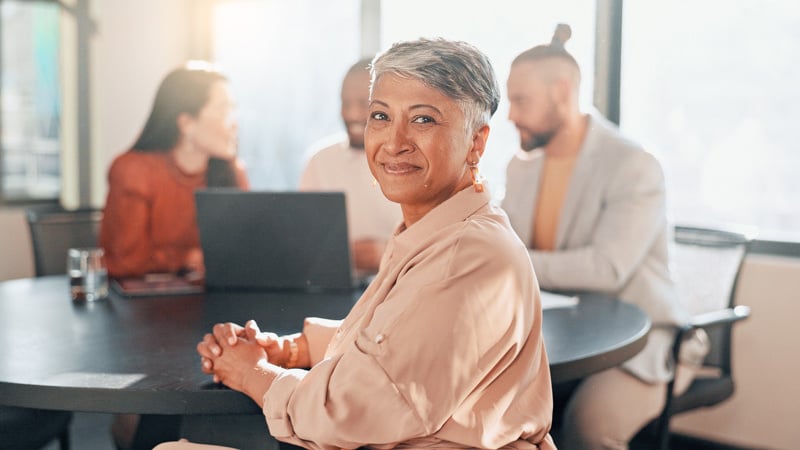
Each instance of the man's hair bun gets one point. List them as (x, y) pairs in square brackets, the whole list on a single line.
[(561, 35)]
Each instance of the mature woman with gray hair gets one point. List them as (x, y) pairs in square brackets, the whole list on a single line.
[(444, 349)]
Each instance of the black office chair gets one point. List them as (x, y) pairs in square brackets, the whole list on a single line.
[(706, 264), (53, 230)]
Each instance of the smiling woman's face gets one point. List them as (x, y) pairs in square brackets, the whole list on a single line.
[(417, 145)]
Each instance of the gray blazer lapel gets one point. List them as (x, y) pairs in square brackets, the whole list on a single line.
[(522, 194), (579, 182), (531, 198)]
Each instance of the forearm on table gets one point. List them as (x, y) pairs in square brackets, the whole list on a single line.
[(258, 381), (576, 269), (605, 264), (292, 405), (302, 357), (318, 333)]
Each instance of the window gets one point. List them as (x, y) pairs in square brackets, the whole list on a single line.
[(30, 101), (285, 61), (711, 90)]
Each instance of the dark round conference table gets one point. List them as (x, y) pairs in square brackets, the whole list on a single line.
[(137, 355)]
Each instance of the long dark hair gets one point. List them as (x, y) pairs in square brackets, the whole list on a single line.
[(185, 90)]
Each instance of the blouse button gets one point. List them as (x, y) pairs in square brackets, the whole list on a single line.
[(379, 339)]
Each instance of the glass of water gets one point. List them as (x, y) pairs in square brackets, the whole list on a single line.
[(88, 277)]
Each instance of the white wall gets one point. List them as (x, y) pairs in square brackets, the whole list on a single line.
[(16, 256), (136, 44)]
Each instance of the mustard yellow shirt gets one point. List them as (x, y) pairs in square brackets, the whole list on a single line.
[(556, 174)]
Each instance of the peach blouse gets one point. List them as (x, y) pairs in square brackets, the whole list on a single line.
[(444, 349)]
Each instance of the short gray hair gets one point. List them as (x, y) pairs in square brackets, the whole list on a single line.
[(454, 68)]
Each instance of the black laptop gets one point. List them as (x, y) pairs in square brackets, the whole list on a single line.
[(274, 240)]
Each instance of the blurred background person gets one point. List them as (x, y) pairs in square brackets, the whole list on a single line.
[(188, 143), (590, 205), (149, 220), (342, 167)]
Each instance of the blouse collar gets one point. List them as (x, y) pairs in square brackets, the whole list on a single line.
[(453, 210)]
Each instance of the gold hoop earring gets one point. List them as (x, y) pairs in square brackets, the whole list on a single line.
[(477, 178)]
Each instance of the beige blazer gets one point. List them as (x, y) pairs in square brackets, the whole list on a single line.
[(612, 234)]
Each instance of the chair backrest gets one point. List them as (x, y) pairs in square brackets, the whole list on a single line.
[(54, 230), (705, 264)]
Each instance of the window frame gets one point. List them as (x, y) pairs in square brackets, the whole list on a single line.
[(4, 200), (78, 56)]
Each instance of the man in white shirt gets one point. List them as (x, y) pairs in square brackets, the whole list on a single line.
[(342, 167)]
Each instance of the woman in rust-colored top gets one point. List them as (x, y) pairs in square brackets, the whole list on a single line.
[(188, 143)]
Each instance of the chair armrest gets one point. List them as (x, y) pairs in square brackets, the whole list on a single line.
[(708, 320), (723, 316)]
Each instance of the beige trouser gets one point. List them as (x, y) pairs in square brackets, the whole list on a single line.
[(609, 408)]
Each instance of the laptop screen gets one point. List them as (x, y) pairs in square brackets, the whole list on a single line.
[(274, 240)]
